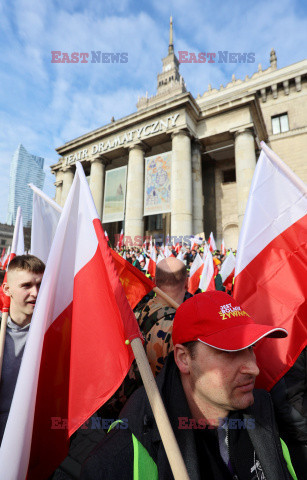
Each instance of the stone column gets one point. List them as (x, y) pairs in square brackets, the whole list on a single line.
[(68, 176), (198, 199), (58, 185), (245, 158), (134, 220), (181, 194), (98, 166)]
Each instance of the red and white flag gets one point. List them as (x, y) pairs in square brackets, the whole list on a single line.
[(45, 218), (152, 263), (121, 239), (106, 235), (2, 257), (75, 356), (211, 243), (18, 244), (18, 248), (223, 249), (6, 258), (207, 283), (195, 273), (228, 270), (270, 277)]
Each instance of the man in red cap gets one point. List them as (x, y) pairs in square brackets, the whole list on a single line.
[(225, 429)]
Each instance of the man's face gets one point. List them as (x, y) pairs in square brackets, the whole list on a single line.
[(223, 379), (22, 287)]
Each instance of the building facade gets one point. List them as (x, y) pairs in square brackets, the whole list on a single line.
[(214, 143), (25, 168)]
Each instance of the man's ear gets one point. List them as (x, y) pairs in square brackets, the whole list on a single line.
[(182, 358), (6, 289)]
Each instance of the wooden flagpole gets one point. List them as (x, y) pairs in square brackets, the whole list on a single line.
[(166, 432)]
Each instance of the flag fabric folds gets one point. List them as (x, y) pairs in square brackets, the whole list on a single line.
[(211, 243), (270, 276), (228, 270), (136, 285), (45, 218), (152, 263), (195, 273), (207, 283), (18, 248), (76, 354)]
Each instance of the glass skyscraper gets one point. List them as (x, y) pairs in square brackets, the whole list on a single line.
[(25, 168)]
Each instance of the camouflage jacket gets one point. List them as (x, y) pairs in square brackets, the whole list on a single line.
[(156, 322)]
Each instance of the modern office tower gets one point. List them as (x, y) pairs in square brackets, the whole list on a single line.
[(25, 168)]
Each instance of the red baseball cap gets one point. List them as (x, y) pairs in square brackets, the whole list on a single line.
[(217, 320)]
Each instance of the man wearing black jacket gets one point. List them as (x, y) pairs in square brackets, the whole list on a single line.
[(224, 428)]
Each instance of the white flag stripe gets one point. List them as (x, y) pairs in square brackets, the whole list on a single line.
[(228, 266), (269, 210), (77, 231), (45, 218), (197, 263), (18, 245), (45, 197), (207, 273)]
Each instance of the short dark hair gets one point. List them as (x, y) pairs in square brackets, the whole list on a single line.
[(30, 263), (191, 348)]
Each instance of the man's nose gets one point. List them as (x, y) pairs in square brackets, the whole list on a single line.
[(249, 364), (34, 290)]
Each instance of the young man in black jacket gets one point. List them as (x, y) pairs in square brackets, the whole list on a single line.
[(224, 428)]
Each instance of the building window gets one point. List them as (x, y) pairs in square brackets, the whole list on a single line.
[(2, 242), (229, 176), (280, 123), (155, 222)]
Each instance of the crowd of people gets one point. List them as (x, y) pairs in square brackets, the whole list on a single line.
[(206, 370)]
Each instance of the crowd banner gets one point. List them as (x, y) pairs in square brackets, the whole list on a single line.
[(115, 195), (157, 192)]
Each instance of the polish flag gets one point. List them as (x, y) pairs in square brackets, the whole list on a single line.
[(76, 354), (207, 283), (228, 270), (211, 242), (223, 249), (106, 235), (18, 248), (152, 263), (2, 257), (18, 244), (6, 258), (270, 276), (167, 253), (121, 238), (195, 242), (177, 248), (180, 256), (195, 272), (45, 218)]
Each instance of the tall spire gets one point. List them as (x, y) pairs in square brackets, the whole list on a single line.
[(171, 45)]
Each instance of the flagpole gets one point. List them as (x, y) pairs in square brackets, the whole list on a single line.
[(45, 197), (166, 297), (2, 338), (284, 168), (166, 432)]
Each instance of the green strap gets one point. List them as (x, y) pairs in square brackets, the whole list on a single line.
[(287, 457), (143, 464)]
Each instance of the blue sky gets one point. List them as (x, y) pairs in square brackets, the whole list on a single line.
[(44, 104)]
